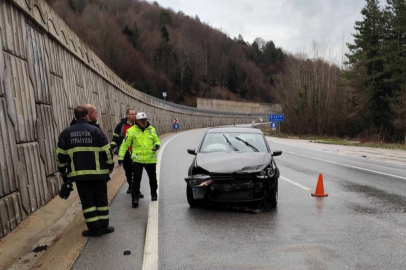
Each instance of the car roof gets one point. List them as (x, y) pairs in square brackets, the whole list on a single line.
[(234, 129)]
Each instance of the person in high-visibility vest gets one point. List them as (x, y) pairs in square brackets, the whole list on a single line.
[(118, 136), (83, 155), (145, 142)]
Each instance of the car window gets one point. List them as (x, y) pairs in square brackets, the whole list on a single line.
[(216, 142)]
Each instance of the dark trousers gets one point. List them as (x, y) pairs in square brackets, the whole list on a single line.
[(127, 164), (95, 204), (137, 172)]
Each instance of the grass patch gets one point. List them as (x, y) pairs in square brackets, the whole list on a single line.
[(334, 140)]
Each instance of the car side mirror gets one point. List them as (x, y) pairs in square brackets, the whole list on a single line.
[(192, 151), (276, 153)]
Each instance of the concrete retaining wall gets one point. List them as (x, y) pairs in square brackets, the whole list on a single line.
[(234, 106), (45, 72)]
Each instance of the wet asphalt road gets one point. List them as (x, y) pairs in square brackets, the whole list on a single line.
[(360, 225)]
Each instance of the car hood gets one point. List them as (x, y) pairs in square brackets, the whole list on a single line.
[(233, 162)]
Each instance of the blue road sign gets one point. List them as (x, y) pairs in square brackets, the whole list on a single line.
[(274, 125), (176, 126), (276, 118)]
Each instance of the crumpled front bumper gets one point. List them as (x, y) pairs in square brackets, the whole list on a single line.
[(229, 188)]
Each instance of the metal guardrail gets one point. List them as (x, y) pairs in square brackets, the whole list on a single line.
[(262, 124)]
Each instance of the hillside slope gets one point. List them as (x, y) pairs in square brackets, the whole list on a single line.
[(157, 50)]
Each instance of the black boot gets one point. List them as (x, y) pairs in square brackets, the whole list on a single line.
[(135, 201), (93, 233), (140, 195), (108, 229), (154, 196)]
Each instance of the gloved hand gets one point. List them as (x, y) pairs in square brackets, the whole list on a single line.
[(66, 189), (156, 147), (120, 162)]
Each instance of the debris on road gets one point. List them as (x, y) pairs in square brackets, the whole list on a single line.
[(40, 248)]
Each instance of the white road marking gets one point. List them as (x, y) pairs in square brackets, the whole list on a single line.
[(294, 183), (150, 259), (349, 166)]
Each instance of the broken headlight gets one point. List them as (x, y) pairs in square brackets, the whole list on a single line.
[(268, 172), (198, 180)]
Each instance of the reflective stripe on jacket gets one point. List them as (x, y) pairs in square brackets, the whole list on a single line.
[(142, 143), (83, 153)]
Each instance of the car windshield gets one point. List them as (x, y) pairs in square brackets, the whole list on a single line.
[(233, 142)]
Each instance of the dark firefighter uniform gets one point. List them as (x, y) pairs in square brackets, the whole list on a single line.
[(118, 136), (84, 156), (74, 121)]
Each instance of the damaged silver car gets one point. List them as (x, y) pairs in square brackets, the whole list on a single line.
[(233, 165)]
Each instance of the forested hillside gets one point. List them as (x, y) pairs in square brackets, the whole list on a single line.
[(157, 50)]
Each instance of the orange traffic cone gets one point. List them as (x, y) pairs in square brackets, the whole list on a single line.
[(320, 188)]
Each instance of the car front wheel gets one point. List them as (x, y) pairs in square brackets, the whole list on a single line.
[(273, 198)]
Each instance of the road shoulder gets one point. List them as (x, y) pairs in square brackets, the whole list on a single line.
[(71, 242), (54, 230), (379, 154)]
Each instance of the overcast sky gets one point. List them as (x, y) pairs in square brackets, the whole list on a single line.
[(292, 24)]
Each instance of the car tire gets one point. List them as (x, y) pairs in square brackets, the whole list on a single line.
[(273, 196), (189, 195)]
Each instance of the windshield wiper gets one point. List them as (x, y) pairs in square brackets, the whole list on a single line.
[(248, 144), (230, 144)]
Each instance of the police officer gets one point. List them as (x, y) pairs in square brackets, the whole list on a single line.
[(118, 136), (145, 142), (84, 156)]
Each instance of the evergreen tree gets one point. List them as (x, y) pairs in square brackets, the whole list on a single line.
[(132, 34), (395, 60), (269, 53), (272, 54), (240, 40), (164, 54), (165, 19), (78, 5), (232, 78), (366, 54)]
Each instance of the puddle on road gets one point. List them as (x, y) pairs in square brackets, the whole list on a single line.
[(363, 209), (380, 200), (319, 205)]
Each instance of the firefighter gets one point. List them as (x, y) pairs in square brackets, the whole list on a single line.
[(91, 116), (84, 156), (145, 142), (118, 137)]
